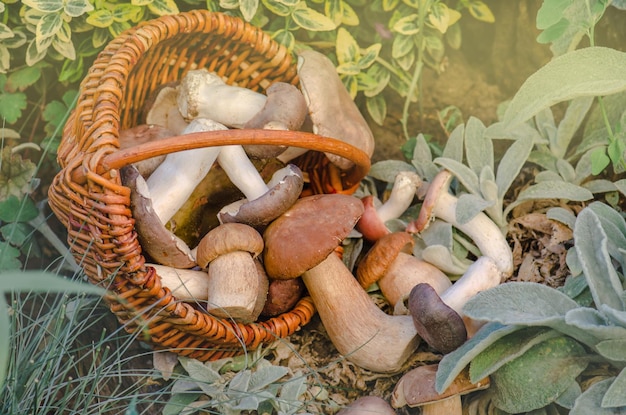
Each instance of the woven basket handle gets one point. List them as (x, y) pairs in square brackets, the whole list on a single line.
[(310, 141)]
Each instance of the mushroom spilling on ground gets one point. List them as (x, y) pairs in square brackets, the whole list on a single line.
[(416, 388), (390, 264), (372, 224), (301, 242), (368, 405), (237, 285)]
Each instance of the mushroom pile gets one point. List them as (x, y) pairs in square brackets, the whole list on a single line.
[(200, 214)]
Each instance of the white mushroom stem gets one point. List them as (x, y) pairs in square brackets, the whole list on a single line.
[(241, 172), (401, 196), (177, 176), (185, 284), (204, 94), (360, 331)]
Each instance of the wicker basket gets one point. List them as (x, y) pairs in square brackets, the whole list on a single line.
[(90, 200)]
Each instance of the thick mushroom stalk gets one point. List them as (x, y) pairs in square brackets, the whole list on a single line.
[(439, 203), (173, 181), (372, 223), (185, 284), (302, 242)]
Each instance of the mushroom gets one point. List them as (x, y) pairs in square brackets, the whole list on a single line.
[(203, 94), (156, 240), (390, 264), (331, 108), (368, 405), (439, 203), (141, 134), (282, 296), (436, 323), (177, 176), (263, 202), (416, 388), (237, 285), (372, 223), (185, 284), (162, 109), (301, 242), (284, 109)]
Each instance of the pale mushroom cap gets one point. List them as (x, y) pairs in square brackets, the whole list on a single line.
[(308, 232), (332, 110), (228, 237), (368, 405)]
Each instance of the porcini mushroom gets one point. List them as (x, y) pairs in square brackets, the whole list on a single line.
[(416, 388), (156, 240), (282, 296), (185, 284), (368, 405), (439, 203), (372, 223), (284, 109), (390, 264), (237, 288), (140, 134), (331, 108), (436, 323), (301, 242)]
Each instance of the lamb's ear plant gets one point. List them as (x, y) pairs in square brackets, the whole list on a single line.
[(538, 341)]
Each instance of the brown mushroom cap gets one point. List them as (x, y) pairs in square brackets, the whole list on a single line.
[(141, 134), (417, 387), (282, 296), (273, 203), (308, 232), (439, 325), (380, 257), (227, 238), (372, 405), (332, 110)]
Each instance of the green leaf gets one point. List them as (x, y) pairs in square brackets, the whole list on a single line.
[(468, 206), (593, 71), (264, 376), (402, 45), (22, 78), (454, 362), (614, 349), (16, 233), (554, 32), (406, 25), (46, 6), (369, 56), (539, 376), (9, 260), (15, 175), (481, 11), (312, 20), (285, 38), (387, 170), (507, 349), (454, 146), (590, 401), (5, 32), (163, 7), (591, 247), (248, 8), (13, 209), (126, 13), (525, 303), (551, 190), (573, 118), (478, 147), (76, 8), (592, 322), (198, 371), (377, 108), (464, 174), (381, 76), (11, 106), (65, 49), (550, 12), (615, 396), (346, 48), (278, 8), (511, 164), (334, 10), (599, 160), (48, 26)]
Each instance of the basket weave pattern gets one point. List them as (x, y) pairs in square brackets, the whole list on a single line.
[(90, 200)]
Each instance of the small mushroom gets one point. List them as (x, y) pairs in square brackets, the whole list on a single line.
[(282, 296), (162, 109), (185, 284), (263, 202), (368, 405), (331, 108), (301, 242), (372, 223), (284, 109), (156, 240), (416, 388), (142, 134), (390, 264), (439, 203), (237, 285), (436, 323)]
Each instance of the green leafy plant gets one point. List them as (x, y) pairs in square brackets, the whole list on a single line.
[(233, 385), (538, 341)]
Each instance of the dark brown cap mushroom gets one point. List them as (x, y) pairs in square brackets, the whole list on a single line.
[(142, 134), (282, 296), (439, 325)]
